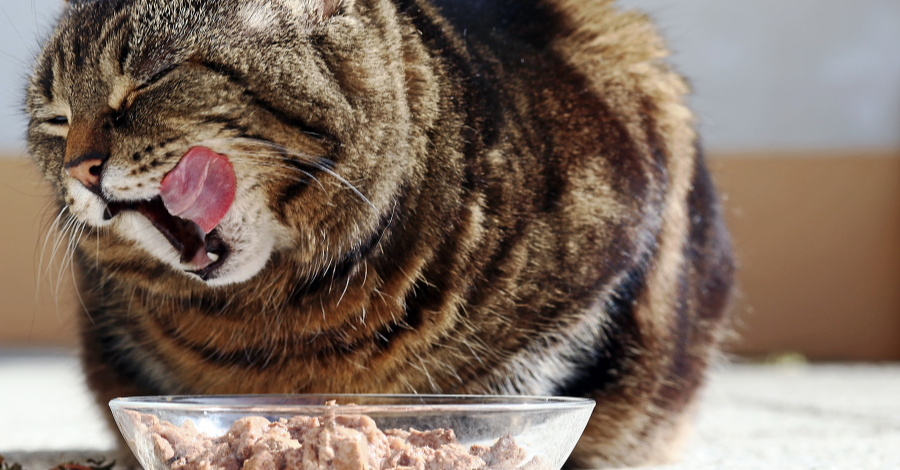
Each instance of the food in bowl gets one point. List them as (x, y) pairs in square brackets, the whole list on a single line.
[(421, 432), (343, 442)]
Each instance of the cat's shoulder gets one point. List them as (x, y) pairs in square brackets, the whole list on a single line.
[(544, 22), (606, 44)]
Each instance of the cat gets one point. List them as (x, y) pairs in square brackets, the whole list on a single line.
[(387, 196)]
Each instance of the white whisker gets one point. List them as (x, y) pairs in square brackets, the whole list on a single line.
[(97, 258), (344, 292), (50, 229), (69, 255), (75, 281), (293, 169), (58, 242), (65, 233)]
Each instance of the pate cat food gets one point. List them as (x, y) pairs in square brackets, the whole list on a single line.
[(320, 443)]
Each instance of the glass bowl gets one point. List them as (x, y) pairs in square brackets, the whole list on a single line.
[(545, 428)]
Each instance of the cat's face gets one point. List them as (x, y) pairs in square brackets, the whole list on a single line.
[(302, 99)]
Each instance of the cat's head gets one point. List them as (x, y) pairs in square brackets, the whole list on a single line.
[(144, 108)]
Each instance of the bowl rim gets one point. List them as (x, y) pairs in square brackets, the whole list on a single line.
[(276, 403)]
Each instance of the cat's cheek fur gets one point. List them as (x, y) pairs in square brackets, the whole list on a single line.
[(251, 233), (251, 239), (123, 184), (86, 206)]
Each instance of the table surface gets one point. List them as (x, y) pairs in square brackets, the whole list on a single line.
[(789, 416)]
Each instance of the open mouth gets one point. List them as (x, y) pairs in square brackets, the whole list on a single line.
[(193, 198), (203, 252)]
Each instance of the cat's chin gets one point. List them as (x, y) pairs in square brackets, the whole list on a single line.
[(237, 256), (241, 265)]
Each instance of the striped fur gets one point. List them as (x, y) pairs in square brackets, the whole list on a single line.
[(433, 197)]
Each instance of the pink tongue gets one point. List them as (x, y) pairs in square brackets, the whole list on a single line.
[(200, 188)]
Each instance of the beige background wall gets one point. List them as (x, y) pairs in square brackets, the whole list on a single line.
[(29, 316), (817, 237)]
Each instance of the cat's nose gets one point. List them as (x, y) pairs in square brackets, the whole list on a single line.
[(87, 149), (87, 169)]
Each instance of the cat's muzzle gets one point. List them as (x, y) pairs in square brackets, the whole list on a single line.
[(201, 253)]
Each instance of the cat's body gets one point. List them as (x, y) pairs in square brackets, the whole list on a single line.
[(515, 204)]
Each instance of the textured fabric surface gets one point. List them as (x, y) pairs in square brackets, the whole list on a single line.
[(752, 417), (798, 417), (45, 405)]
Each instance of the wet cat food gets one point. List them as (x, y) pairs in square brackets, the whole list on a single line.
[(320, 443)]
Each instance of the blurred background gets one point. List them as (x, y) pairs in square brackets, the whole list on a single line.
[(799, 109)]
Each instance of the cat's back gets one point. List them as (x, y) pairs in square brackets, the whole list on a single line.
[(561, 65)]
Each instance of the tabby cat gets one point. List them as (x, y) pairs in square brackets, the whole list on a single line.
[(390, 196)]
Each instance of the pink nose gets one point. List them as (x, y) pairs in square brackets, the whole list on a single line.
[(87, 170)]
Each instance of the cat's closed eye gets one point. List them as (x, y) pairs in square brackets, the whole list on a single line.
[(144, 87), (158, 76), (58, 120)]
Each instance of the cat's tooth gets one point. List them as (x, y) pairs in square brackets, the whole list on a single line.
[(212, 256)]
